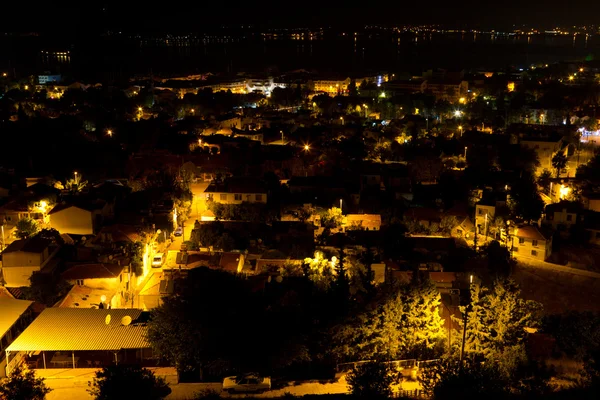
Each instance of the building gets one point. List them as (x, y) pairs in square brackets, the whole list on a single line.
[(563, 215), (452, 90), (112, 278), (545, 144), (237, 191), (81, 219), (369, 222), (332, 86), (528, 242), (230, 121), (24, 257), (46, 79), (82, 338), (15, 315), (406, 86)]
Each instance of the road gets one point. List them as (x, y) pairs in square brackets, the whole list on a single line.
[(72, 385), (198, 206)]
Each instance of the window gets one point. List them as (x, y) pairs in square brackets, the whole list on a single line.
[(223, 196), (515, 250), (80, 282), (237, 197), (521, 240), (480, 211), (569, 217), (534, 243), (534, 252), (259, 197)]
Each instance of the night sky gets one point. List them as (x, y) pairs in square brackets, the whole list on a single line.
[(147, 15)]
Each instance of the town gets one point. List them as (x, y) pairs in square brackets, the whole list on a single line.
[(418, 234)]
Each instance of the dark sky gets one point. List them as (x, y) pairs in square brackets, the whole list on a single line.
[(135, 15)]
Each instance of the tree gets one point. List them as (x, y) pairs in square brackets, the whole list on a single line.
[(372, 380), (559, 162), (305, 213), (46, 288), (332, 218), (26, 228), (405, 323), (497, 318), (124, 382), (544, 180), (448, 223), (525, 201), (22, 384)]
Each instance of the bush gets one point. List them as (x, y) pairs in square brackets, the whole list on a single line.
[(22, 384), (125, 382), (372, 380)]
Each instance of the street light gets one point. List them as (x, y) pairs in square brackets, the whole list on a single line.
[(306, 147), (140, 109), (465, 152), (460, 129), (109, 132)]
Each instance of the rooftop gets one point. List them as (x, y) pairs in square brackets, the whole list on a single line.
[(530, 232), (85, 329), (34, 244), (93, 271), (237, 185), (11, 311), (88, 205)]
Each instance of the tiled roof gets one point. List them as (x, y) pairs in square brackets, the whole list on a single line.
[(93, 271), (72, 329), (10, 311), (84, 205), (34, 244), (530, 232)]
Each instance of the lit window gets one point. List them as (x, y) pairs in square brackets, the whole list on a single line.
[(534, 243), (223, 196), (238, 197), (533, 252), (521, 240)]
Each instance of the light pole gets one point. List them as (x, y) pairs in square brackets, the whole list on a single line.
[(341, 201), (465, 152), (464, 338)]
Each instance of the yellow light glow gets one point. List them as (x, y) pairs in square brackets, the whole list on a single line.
[(382, 95), (416, 111), (563, 192), (462, 100), (109, 132), (26, 87), (192, 110), (306, 147), (460, 127), (4, 74), (140, 109), (511, 86), (580, 69), (571, 77)]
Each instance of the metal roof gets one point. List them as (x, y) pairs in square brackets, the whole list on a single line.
[(10, 311), (73, 329)]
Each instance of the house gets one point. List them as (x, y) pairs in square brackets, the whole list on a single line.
[(332, 85), (82, 218), (545, 146), (232, 262), (562, 215), (117, 234), (237, 191), (452, 90), (528, 242), (18, 209), (487, 209), (464, 229), (24, 257), (15, 315), (591, 201), (113, 278), (369, 222), (82, 338)]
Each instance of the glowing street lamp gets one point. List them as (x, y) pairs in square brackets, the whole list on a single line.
[(192, 110), (457, 113), (306, 147), (139, 109), (460, 129), (465, 152), (571, 77), (109, 132)]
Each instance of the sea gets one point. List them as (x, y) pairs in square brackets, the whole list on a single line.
[(118, 57)]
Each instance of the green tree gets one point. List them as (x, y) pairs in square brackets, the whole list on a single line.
[(497, 318), (332, 218), (544, 180), (22, 384), (525, 201), (305, 213), (26, 228), (559, 162), (372, 380), (405, 323), (125, 382)]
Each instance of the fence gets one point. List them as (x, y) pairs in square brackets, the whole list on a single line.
[(413, 394)]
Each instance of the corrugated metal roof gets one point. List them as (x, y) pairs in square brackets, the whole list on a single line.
[(72, 329), (10, 311)]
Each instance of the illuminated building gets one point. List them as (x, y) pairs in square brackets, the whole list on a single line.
[(332, 87)]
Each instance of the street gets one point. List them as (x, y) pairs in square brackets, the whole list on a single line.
[(198, 206)]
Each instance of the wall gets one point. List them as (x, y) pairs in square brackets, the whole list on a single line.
[(245, 197), (18, 276), (73, 220), (523, 250)]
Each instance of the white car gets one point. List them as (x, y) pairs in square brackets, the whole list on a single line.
[(247, 383)]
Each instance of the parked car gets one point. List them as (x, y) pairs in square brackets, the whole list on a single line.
[(158, 260), (178, 231), (246, 383)]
